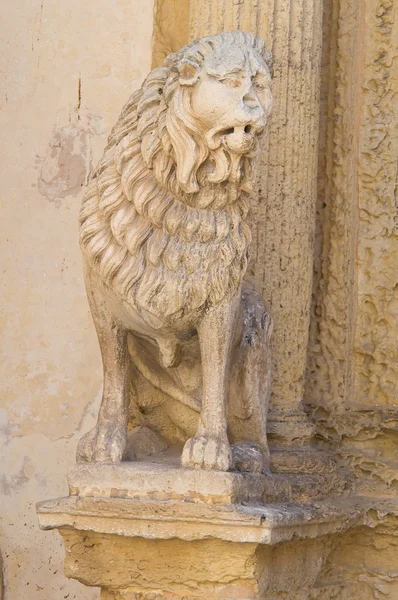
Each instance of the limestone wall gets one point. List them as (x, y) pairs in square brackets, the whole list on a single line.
[(67, 68)]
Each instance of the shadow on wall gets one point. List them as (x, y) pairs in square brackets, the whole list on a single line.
[(1, 578), (169, 34)]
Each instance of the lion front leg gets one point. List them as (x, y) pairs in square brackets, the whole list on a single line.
[(106, 442), (210, 448)]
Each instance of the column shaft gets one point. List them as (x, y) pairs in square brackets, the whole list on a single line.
[(284, 201)]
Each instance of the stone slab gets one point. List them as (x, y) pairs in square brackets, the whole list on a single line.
[(165, 481), (270, 524)]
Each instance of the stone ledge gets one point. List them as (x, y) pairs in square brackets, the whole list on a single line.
[(302, 460), (270, 524)]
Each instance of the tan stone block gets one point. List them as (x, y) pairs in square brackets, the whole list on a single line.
[(204, 568), (152, 481), (190, 521), (145, 569)]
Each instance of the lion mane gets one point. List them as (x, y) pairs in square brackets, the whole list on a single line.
[(163, 218)]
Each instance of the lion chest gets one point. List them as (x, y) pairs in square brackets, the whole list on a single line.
[(190, 277)]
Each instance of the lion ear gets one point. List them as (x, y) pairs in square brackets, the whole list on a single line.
[(188, 71)]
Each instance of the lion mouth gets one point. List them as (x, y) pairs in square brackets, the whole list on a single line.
[(241, 139)]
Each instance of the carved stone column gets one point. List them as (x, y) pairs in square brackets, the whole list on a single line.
[(283, 218)]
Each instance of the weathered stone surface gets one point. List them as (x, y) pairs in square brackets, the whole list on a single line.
[(162, 479), (351, 384), (269, 524), (175, 565), (205, 569), (319, 551), (136, 549)]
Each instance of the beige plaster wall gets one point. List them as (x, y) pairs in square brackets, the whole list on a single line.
[(67, 68)]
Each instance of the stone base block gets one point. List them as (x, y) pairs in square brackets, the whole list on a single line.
[(145, 569), (160, 480), (165, 481), (187, 521)]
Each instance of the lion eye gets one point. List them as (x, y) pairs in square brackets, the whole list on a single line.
[(258, 85), (231, 81)]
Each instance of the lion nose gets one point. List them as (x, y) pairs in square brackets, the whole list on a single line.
[(255, 112), (251, 100)]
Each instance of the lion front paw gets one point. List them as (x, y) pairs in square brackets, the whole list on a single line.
[(207, 452), (106, 442)]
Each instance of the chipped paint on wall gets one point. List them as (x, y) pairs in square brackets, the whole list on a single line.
[(67, 161)]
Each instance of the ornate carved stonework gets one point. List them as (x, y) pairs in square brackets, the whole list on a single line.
[(184, 340)]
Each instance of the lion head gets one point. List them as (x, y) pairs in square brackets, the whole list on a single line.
[(214, 100), (165, 201)]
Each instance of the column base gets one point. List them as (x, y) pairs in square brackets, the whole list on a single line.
[(312, 473)]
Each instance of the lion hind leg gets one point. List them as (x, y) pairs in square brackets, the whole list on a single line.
[(250, 384)]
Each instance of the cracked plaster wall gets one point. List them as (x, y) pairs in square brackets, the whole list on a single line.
[(67, 68)]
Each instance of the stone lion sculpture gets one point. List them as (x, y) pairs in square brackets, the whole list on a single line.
[(184, 340)]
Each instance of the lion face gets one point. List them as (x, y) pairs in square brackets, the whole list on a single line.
[(218, 98), (232, 98)]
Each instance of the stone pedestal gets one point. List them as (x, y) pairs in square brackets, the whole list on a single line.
[(153, 531)]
